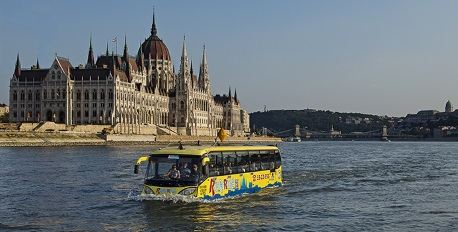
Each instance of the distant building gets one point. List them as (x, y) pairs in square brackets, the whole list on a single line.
[(421, 117), (4, 109), (353, 120), (127, 92)]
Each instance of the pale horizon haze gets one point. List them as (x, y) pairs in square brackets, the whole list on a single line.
[(378, 57)]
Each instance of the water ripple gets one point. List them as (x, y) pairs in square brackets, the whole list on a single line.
[(328, 186)]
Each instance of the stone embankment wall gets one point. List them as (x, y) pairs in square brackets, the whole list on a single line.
[(51, 126), (9, 127), (12, 139), (129, 138), (52, 134), (211, 139)]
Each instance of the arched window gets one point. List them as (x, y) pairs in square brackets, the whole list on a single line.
[(37, 95), (102, 94), (22, 96), (86, 95), (64, 94), (78, 94), (94, 94), (58, 93), (15, 95), (110, 94), (29, 95), (45, 94), (53, 75), (59, 74), (181, 104), (53, 94)]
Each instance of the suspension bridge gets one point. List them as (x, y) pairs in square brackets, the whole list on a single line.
[(305, 133)]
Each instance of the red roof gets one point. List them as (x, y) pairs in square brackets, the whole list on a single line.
[(156, 49), (65, 64)]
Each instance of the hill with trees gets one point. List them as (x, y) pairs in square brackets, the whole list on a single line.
[(317, 120)]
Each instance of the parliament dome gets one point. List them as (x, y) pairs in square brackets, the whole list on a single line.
[(154, 47)]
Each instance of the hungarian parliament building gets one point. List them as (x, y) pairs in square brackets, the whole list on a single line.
[(127, 92)]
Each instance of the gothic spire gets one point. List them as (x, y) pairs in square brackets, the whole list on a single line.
[(38, 64), (184, 59), (126, 54), (113, 65), (192, 72), (153, 27), (106, 52), (203, 71), (90, 56), (230, 95), (235, 95), (126, 58), (184, 51), (204, 57), (17, 69)]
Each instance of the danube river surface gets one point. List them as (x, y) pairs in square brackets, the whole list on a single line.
[(329, 186)]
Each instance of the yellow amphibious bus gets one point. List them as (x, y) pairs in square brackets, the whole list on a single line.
[(211, 172)]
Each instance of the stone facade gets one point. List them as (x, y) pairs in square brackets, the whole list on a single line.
[(127, 92)]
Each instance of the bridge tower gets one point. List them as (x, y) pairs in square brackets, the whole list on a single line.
[(297, 131)]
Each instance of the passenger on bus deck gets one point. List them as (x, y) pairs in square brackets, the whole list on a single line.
[(244, 167), (194, 176), (227, 168), (173, 173), (271, 166), (184, 171), (252, 166)]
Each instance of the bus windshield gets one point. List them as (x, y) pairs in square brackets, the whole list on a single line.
[(173, 170)]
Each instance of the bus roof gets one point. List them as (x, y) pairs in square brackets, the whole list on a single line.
[(202, 150)]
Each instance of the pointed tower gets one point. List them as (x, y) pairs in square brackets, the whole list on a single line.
[(153, 27), (106, 52), (235, 96), (230, 94), (125, 57), (184, 65), (191, 72), (90, 56), (203, 72), (37, 65), (113, 65), (17, 68)]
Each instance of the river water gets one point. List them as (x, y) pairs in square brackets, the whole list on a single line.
[(329, 186)]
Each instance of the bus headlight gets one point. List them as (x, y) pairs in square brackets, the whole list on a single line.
[(188, 191)]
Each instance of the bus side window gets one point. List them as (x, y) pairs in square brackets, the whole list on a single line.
[(215, 164), (255, 163), (277, 159), (219, 163), (243, 159), (228, 162), (265, 159)]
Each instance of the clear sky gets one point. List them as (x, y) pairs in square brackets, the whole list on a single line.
[(381, 57)]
